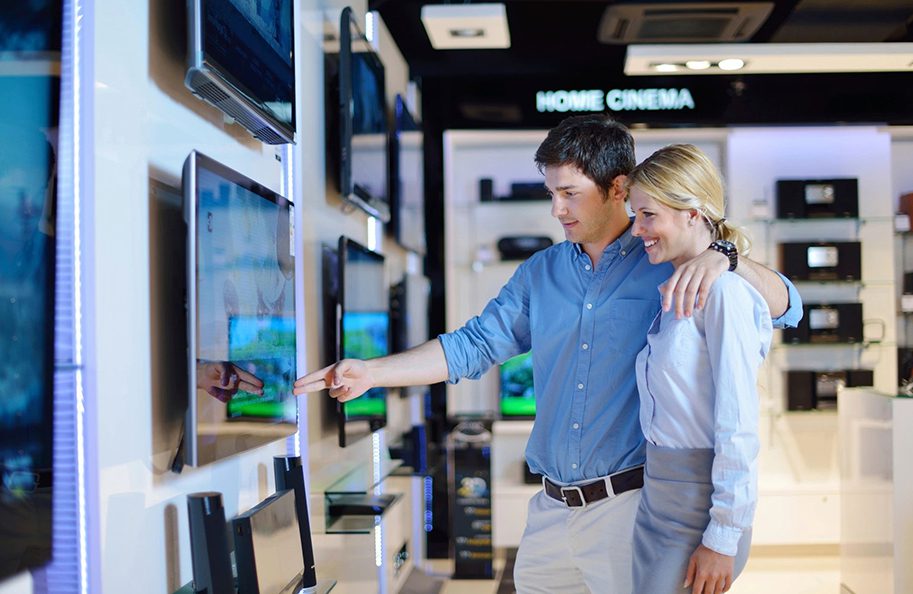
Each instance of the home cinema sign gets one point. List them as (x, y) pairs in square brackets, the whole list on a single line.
[(615, 100)]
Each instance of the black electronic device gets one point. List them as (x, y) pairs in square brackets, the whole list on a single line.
[(30, 109), (362, 327), (413, 450), (209, 550), (290, 475), (528, 191), (822, 261), (407, 180), (356, 119), (267, 547), (241, 59), (409, 301), (817, 198), (521, 247), (240, 312), (808, 390), (530, 477), (486, 189), (827, 323), (359, 504)]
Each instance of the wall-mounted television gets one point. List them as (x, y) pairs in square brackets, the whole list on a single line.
[(29, 119), (357, 129), (518, 398), (241, 59), (409, 317), (241, 313), (407, 180), (362, 332)]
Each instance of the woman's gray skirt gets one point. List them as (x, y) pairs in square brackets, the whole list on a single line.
[(674, 512)]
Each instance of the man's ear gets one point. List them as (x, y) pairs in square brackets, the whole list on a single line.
[(619, 188)]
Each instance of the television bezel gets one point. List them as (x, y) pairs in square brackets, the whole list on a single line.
[(377, 207), (195, 161), (202, 62), (403, 122), (374, 422)]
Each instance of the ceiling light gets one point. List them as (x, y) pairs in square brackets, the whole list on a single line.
[(731, 64), (466, 26), (698, 64), (665, 67), (773, 58)]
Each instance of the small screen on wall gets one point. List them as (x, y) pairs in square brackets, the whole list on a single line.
[(518, 398)]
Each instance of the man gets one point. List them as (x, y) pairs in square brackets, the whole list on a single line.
[(584, 307)]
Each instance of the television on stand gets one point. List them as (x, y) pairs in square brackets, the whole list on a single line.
[(241, 313), (356, 111), (241, 59)]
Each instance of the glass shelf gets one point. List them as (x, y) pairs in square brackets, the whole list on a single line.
[(816, 220), (363, 478), (323, 587), (356, 524)]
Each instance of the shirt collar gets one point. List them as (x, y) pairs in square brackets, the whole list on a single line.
[(625, 243)]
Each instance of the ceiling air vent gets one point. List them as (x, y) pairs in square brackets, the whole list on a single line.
[(682, 23)]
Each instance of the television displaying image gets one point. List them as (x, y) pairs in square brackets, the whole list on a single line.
[(265, 348), (241, 313), (357, 130), (518, 398), (362, 332), (242, 60), (30, 41), (365, 337)]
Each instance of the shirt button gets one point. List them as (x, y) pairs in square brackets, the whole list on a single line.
[(585, 346), (589, 306), (623, 253), (576, 425), (587, 267), (574, 465), (579, 386)]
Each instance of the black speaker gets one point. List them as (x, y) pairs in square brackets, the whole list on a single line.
[(290, 475), (486, 189), (822, 261), (209, 555)]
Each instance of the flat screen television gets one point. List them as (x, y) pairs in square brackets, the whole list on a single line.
[(407, 182), (363, 328), (29, 116), (357, 129), (241, 59), (409, 301), (241, 313), (518, 398)]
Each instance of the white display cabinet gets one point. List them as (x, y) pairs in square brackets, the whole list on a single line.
[(876, 542)]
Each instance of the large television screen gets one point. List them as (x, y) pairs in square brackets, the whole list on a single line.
[(242, 60), (357, 130), (518, 398), (29, 114), (363, 333), (407, 181), (241, 308)]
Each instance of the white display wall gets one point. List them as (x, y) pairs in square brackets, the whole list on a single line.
[(799, 482)]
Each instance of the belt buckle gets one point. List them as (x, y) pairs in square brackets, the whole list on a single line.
[(579, 494)]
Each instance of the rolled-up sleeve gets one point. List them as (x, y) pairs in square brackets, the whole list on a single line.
[(793, 314), (497, 334)]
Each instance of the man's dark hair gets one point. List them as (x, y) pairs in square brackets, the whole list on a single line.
[(600, 147)]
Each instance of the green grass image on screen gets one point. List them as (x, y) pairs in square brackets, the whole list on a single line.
[(365, 336), (264, 347), (517, 396)]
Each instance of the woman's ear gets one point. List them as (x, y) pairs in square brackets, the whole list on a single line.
[(693, 217)]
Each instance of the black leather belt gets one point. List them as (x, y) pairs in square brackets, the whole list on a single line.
[(582, 495)]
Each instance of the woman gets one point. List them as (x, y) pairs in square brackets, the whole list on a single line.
[(697, 382)]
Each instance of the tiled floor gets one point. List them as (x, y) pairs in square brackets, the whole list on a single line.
[(768, 571)]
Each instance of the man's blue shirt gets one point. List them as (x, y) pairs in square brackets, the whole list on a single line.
[(585, 327)]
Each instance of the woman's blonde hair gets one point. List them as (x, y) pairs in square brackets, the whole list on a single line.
[(681, 176)]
